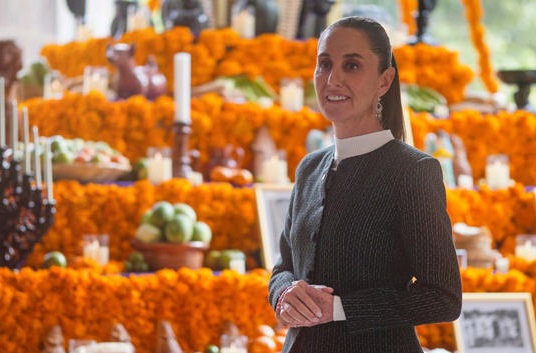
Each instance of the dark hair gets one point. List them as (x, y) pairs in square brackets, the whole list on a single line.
[(392, 115)]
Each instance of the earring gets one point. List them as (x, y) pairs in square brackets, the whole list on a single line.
[(379, 109)]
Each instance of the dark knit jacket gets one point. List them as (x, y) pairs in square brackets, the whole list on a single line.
[(382, 222)]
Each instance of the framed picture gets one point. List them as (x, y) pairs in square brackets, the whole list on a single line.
[(272, 205), (496, 323)]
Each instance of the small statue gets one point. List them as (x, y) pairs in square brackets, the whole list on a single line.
[(167, 343), (460, 164), (53, 342), (313, 17), (133, 79)]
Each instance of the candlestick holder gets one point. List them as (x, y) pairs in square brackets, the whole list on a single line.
[(26, 215), (180, 155), (523, 79), (424, 12)]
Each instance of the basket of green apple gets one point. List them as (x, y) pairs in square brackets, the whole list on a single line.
[(170, 236)]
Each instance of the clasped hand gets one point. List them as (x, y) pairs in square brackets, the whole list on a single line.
[(303, 304)]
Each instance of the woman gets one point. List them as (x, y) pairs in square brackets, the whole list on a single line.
[(367, 251)]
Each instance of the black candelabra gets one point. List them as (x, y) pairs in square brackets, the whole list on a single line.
[(25, 215)]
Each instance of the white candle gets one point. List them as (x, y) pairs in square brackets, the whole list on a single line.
[(497, 175), (37, 158), (159, 168), (274, 170), (14, 126), (502, 264), (291, 94), (26, 140), (2, 111), (48, 171), (182, 87), (244, 24), (91, 247), (95, 79), (526, 251)]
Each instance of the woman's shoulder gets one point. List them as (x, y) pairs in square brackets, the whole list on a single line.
[(318, 155), (406, 152), (316, 158)]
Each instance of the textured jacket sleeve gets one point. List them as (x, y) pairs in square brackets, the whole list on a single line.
[(426, 235), (282, 273)]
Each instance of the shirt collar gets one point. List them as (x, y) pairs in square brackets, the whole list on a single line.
[(358, 145)]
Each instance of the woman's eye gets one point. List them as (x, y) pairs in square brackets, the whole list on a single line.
[(352, 66), (323, 65)]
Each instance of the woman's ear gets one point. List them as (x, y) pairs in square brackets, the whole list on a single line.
[(386, 79)]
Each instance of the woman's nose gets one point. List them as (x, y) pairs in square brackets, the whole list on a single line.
[(335, 77)]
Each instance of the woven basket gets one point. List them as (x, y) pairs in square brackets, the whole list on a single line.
[(88, 173), (173, 256)]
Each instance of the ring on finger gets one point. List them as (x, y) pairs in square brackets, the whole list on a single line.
[(286, 306)]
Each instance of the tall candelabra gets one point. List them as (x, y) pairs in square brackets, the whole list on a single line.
[(25, 215)]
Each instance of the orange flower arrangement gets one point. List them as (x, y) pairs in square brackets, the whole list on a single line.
[(434, 67), (86, 304), (133, 125), (116, 211), (474, 13), (512, 133)]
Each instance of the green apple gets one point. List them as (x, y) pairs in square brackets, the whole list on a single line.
[(202, 232), (162, 213), (54, 258), (140, 168), (63, 157), (146, 216), (230, 256), (179, 229), (184, 208), (148, 233)]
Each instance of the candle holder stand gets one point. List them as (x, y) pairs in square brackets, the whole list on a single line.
[(180, 155), (25, 213), (424, 12)]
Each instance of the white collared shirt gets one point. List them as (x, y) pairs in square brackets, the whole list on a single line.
[(358, 145)]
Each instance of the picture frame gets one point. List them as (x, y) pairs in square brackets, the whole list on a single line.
[(496, 323), (272, 204)]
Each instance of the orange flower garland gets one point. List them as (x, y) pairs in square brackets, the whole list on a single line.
[(407, 10), (474, 13)]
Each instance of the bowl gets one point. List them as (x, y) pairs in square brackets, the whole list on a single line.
[(517, 76), (161, 255)]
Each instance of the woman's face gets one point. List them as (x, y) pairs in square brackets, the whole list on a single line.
[(348, 82)]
